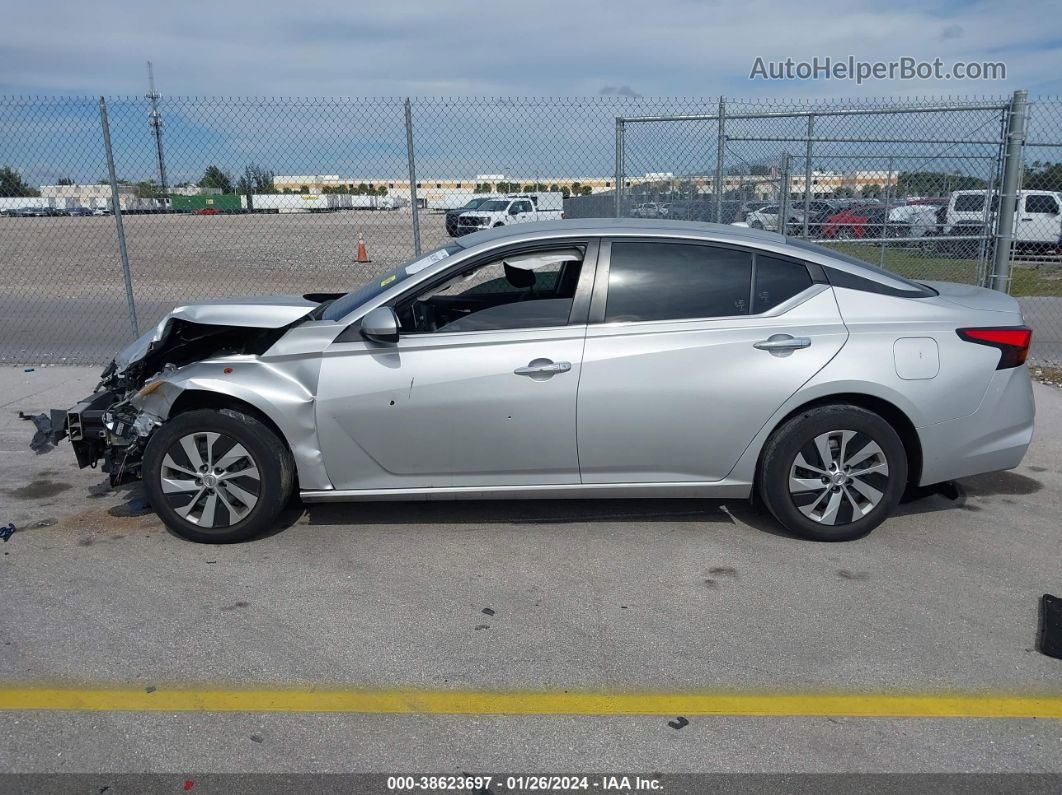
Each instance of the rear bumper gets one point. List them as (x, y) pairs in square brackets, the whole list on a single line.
[(993, 438)]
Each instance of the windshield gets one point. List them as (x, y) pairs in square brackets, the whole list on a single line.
[(494, 206), (343, 306)]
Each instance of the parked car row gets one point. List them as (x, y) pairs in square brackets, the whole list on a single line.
[(51, 212)]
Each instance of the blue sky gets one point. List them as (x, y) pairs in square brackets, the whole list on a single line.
[(414, 47), (601, 58)]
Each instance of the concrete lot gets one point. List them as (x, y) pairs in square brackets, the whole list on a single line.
[(64, 299), (666, 596)]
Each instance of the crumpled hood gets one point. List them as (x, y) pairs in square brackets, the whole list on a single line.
[(264, 312)]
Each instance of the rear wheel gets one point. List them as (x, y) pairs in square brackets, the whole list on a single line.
[(833, 473), (217, 476)]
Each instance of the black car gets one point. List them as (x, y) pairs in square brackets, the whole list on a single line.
[(453, 215), (703, 210), (818, 212)]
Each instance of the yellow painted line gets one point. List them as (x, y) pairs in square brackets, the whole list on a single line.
[(449, 702)]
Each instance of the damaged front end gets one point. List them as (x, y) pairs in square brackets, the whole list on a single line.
[(110, 428)]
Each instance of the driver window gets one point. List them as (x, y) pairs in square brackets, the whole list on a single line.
[(524, 290)]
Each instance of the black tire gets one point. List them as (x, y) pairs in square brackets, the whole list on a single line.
[(265, 458), (756, 225), (806, 513), (498, 224)]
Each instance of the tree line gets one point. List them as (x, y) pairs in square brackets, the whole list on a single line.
[(255, 179)]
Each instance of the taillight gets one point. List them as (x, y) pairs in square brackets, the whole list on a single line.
[(1012, 341)]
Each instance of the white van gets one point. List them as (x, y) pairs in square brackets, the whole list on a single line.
[(1037, 223)]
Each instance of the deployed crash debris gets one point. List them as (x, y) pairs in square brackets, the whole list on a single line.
[(110, 427), (49, 429), (7, 532), (1051, 625)]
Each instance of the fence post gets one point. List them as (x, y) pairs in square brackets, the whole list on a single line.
[(720, 154), (885, 224), (620, 130), (807, 173), (412, 179), (116, 206), (783, 196), (1008, 198)]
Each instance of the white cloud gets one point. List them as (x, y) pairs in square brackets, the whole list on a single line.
[(418, 47)]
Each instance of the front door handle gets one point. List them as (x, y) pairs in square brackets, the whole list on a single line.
[(782, 344), (541, 369)]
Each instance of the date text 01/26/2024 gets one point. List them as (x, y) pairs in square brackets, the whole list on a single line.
[(525, 783)]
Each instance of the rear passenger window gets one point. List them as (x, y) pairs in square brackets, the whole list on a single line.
[(777, 280), (1041, 204), (672, 281)]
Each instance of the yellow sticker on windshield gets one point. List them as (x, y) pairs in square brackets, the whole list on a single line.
[(387, 281)]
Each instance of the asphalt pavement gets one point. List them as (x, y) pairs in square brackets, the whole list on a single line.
[(567, 597)]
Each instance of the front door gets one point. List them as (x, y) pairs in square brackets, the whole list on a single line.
[(479, 390), (698, 346)]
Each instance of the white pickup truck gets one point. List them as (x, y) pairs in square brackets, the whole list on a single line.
[(1038, 223), (511, 210)]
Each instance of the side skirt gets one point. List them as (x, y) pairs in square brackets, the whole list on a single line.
[(719, 489)]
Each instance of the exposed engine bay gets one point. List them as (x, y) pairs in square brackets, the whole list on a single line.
[(110, 428)]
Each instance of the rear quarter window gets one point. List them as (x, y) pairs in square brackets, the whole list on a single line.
[(776, 281)]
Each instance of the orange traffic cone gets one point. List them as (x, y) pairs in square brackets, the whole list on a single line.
[(363, 255)]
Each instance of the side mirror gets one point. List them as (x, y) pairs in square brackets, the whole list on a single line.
[(380, 325), (514, 211)]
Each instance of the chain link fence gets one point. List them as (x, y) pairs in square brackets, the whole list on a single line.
[(218, 197)]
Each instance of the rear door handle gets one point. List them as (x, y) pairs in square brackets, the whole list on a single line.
[(782, 344), (541, 369)]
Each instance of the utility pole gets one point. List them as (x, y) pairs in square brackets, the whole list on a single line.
[(155, 123)]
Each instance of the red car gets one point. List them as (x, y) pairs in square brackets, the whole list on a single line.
[(206, 211), (857, 222)]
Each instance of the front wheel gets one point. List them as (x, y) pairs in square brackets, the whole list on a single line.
[(833, 473), (217, 477)]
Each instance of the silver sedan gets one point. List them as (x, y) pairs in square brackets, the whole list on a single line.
[(588, 358)]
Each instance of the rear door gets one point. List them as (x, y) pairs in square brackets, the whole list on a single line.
[(691, 348), (1038, 219)]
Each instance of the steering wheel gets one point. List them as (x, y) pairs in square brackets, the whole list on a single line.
[(423, 316)]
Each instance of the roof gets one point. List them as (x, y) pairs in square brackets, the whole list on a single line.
[(771, 241), (607, 226)]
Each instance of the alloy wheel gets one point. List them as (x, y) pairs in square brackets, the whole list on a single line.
[(838, 477), (210, 479)]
